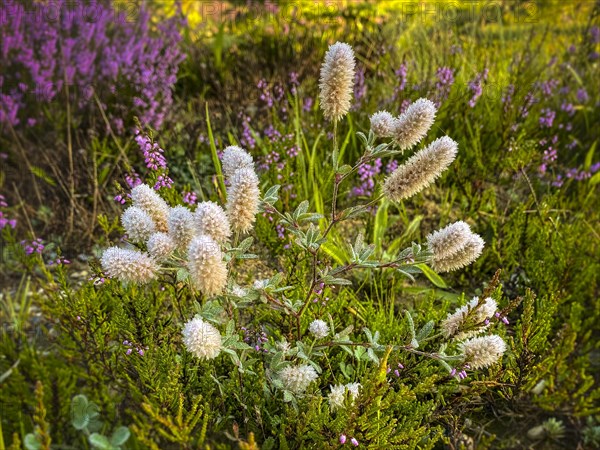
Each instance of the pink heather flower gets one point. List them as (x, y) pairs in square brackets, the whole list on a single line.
[(342, 439), (190, 198), (354, 442)]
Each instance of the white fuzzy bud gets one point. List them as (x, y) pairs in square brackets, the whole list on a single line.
[(449, 240), (210, 219), (337, 81), (208, 271), (319, 328), (421, 169), (161, 246), (297, 378), (146, 198), (337, 396), (468, 317), (138, 224), (130, 266), (243, 196), (483, 351), (202, 339), (414, 123), (181, 226), (464, 256), (235, 158), (382, 124)]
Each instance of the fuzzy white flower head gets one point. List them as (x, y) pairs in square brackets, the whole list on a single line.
[(138, 224), (210, 219), (238, 291), (354, 389), (181, 226), (337, 396), (337, 81), (468, 315), (243, 196), (414, 123), (161, 246), (235, 158), (260, 284), (297, 378), (449, 240), (208, 271), (130, 266), (460, 258), (283, 346), (382, 124), (202, 339), (319, 328), (421, 169), (146, 198), (483, 351)]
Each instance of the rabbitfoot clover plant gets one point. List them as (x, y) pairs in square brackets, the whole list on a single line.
[(202, 252)]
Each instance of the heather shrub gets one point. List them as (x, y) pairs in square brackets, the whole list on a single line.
[(83, 53)]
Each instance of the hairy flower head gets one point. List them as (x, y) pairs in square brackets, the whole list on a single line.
[(160, 246), (337, 80), (130, 266), (208, 271), (138, 224), (210, 219), (421, 169), (319, 328), (181, 226), (243, 196), (202, 339), (146, 198), (483, 351), (470, 317), (337, 396), (235, 158), (382, 124), (414, 123), (297, 378), (462, 257), (449, 240)]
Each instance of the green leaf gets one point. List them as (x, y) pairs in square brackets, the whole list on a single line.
[(99, 441), (120, 436), (589, 157), (432, 276), (411, 326), (425, 331), (215, 157), (182, 274), (31, 442), (41, 173), (80, 412)]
